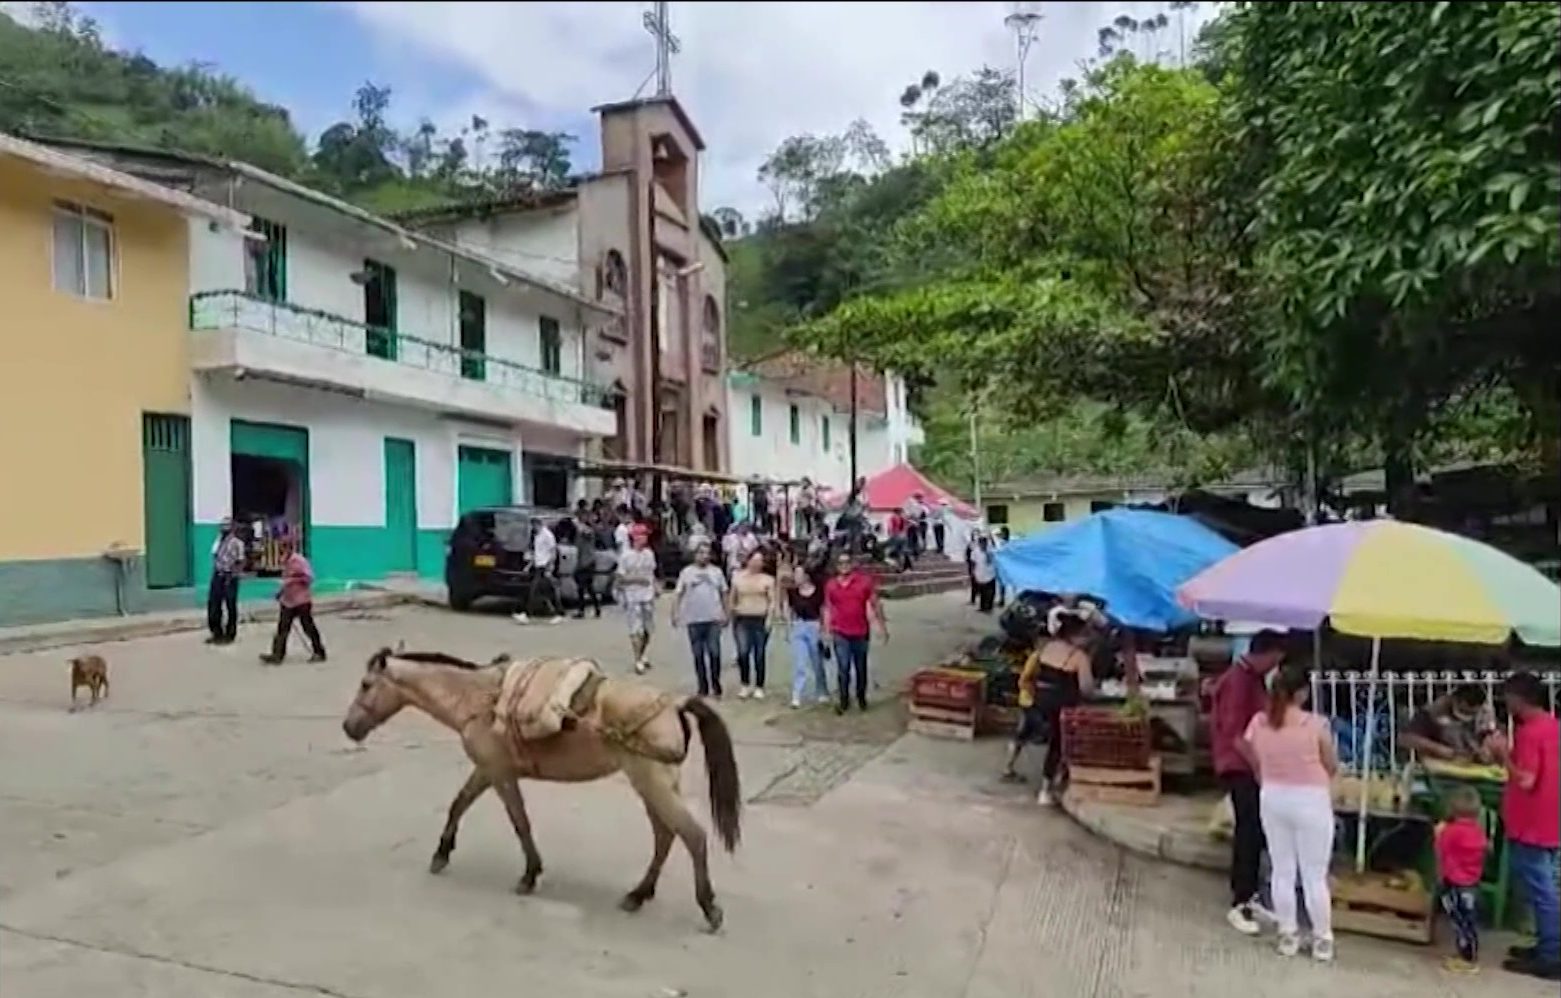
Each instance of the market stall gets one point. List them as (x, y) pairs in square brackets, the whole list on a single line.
[(1384, 580)]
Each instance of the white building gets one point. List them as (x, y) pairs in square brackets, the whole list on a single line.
[(632, 237), (357, 385), (791, 419)]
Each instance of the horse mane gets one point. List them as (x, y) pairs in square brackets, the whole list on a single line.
[(378, 659)]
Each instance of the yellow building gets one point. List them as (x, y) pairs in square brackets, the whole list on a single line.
[(94, 387)]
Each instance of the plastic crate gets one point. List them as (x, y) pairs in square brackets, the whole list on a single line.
[(1102, 737)]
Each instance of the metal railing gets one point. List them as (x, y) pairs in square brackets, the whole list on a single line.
[(1341, 696), (212, 310)]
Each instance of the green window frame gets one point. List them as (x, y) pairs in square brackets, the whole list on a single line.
[(474, 336), (265, 260), (756, 415), (552, 345)]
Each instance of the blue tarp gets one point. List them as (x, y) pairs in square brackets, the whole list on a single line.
[(1131, 559)]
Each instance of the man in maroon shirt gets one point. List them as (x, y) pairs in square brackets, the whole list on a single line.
[(1238, 695), (1531, 819), (848, 599)]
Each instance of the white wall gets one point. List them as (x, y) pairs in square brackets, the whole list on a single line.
[(346, 450), (545, 243), (772, 455)]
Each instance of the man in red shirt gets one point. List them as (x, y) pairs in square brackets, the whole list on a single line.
[(1239, 694), (1531, 817), (848, 597)]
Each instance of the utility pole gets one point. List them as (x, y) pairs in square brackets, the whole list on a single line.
[(1024, 21), (658, 22), (851, 427), (975, 454)]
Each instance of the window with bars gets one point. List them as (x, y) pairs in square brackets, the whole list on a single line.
[(756, 416), (824, 431), (83, 251), (795, 426)]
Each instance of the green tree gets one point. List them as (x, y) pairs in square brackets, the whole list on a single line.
[(1407, 206)]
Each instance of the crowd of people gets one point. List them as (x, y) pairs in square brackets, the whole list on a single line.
[(747, 566)]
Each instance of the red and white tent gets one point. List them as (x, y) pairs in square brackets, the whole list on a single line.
[(888, 490)]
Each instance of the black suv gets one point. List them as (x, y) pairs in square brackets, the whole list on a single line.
[(490, 554)]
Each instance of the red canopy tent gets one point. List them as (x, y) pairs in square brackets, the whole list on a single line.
[(889, 489)]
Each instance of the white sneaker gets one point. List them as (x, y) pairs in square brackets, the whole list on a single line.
[(1260, 912), (1322, 950), (556, 620), (520, 618), (796, 704), (1240, 919), (758, 694), (1043, 796), (1289, 944), (640, 667), (825, 698), (744, 693)]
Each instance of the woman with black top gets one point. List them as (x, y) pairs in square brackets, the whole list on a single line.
[(805, 603), (1058, 676)]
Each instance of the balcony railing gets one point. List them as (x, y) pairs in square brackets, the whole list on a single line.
[(215, 310)]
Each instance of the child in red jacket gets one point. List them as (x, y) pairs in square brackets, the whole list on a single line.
[(1460, 858)]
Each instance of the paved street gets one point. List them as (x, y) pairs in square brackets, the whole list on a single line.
[(209, 832)]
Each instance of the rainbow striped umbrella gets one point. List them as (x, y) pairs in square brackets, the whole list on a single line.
[(1382, 579)]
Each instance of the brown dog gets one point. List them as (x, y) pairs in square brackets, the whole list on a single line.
[(89, 671)]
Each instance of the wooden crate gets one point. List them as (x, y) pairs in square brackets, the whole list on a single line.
[(1371, 904), (945, 722), (1137, 787)]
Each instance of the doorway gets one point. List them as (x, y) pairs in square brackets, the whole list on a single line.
[(483, 478), (547, 480), (712, 440), (269, 467), (379, 309)]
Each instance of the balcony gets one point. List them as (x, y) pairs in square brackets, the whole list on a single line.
[(247, 336)]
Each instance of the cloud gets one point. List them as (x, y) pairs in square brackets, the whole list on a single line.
[(750, 74)]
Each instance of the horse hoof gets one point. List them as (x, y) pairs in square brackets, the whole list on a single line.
[(635, 900), (713, 918), (526, 885), (438, 863)]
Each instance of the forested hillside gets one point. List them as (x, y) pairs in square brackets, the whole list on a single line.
[(58, 78), (1331, 238)]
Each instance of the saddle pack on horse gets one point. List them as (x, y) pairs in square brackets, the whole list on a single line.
[(542, 697)]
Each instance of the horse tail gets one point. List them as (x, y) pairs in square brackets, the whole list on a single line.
[(726, 795)]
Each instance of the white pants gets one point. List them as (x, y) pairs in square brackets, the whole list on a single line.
[(1298, 823)]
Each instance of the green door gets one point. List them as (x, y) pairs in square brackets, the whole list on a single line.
[(483, 478), (400, 505), (165, 480)]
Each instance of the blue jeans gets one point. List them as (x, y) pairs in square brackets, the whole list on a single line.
[(705, 642), (752, 635), (1534, 871), (851, 656), (806, 655)]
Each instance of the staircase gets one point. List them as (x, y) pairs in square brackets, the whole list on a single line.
[(932, 573)]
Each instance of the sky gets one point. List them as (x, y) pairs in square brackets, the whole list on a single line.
[(749, 74)]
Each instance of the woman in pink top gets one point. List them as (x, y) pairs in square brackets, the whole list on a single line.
[(1292, 752)]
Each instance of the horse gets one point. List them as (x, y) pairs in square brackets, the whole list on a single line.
[(463, 696)]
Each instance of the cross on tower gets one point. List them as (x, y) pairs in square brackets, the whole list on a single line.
[(659, 23)]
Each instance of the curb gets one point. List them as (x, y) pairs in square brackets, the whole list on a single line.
[(1147, 839), (108, 629)]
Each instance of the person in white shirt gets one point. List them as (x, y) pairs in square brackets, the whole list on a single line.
[(620, 533), (983, 573), (542, 599), (634, 589)]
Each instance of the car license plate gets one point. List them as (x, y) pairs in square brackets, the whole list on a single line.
[(484, 561)]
